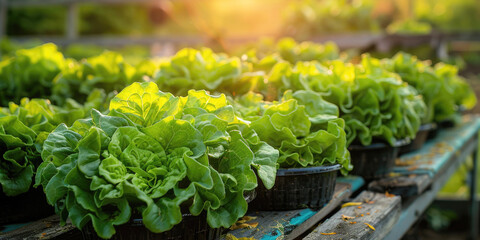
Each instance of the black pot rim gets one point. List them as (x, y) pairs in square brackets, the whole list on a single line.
[(402, 142), (427, 126), (378, 145), (307, 170)]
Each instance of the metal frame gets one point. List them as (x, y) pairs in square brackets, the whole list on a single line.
[(414, 208)]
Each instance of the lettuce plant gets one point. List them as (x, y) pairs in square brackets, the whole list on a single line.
[(294, 52), (23, 129), (94, 79), (374, 102), (30, 73), (267, 55), (156, 156), (303, 127), (64, 81), (309, 18), (442, 89), (464, 95), (197, 69)]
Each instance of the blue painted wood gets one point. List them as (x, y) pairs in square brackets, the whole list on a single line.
[(355, 181), (299, 218), (436, 152), (11, 227)]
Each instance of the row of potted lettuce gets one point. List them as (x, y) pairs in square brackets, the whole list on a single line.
[(154, 155), (298, 128), (296, 66)]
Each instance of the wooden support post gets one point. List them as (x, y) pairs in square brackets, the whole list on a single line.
[(473, 198), (442, 50), (71, 26), (3, 18)]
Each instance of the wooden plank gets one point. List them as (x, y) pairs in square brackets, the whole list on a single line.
[(343, 41), (474, 218), (71, 24), (47, 228), (115, 41), (378, 210), (342, 192), (277, 224), (404, 186), (271, 225), (360, 40)]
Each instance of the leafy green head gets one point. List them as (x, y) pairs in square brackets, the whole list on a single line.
[(197, 69), (23, 129), (443, 90), (303, 127), (157, 155)]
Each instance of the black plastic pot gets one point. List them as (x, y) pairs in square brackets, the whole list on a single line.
[(375, 160), (420, 138), (297, 188), (25, 207), (449, 123), (433, 133)]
